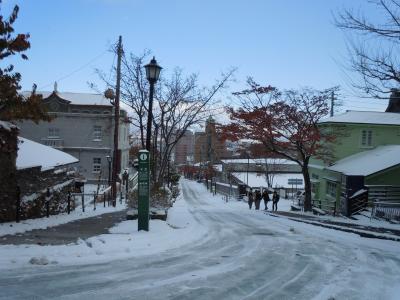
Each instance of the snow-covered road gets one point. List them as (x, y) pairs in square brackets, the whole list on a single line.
[(240, 254)]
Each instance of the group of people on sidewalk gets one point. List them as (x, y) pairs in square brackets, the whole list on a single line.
[(257, 196)]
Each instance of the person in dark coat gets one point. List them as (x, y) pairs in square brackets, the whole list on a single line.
[(250, 198), (266, 198), (275, 200), (257, 199)]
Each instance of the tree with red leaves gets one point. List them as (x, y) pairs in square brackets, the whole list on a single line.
[(284, 123), (13, 106)]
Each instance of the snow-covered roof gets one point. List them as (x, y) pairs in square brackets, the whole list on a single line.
[(368, 162), (279, 180), (77, 98), (32, 154), (7, 125), (262, 161), (83, 98), (365, 117)]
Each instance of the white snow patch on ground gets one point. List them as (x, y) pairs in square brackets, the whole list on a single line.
[(346, 265), (123, 241), (348, 259)]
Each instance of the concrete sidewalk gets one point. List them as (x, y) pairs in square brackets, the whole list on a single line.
[(67, 233), (361, 230)]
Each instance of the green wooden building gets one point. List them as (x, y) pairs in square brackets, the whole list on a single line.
[(366, 152)]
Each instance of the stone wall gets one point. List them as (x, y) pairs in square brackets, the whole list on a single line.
[(34, 184), (8, 183), (32, 180)]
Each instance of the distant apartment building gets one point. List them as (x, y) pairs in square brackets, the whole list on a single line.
[(208, 146), (183, 151), (82, 126)]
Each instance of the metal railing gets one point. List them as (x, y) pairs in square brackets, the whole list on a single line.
[(132, 181), (357, 202), (385, 201)]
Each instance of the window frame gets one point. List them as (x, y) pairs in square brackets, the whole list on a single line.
[(96, 167), (53, 133), (97, 134), (366, 138)]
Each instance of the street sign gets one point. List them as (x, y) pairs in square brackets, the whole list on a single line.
[(143, 190), (295, 181)]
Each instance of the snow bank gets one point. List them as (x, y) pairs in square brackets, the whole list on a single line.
[(124, 240)]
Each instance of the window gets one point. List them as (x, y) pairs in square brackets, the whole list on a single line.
[(54, 133), (366, 138), (97, 133), (331, 189), (96, 164)]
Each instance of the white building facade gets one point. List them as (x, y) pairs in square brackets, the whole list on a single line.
[(83, 126)]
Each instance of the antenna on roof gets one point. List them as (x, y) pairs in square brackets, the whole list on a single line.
[(55, 86)]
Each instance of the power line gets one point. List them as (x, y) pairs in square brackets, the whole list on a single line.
[(112, 67), (371, 101), (75, 71)]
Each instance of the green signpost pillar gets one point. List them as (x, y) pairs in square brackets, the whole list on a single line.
[(143, 190)]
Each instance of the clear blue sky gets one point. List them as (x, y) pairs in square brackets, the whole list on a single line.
[(285, 43)]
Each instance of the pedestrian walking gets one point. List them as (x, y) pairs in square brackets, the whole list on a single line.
[(250, 198), (275, 200), (257, 199), (265, 196)]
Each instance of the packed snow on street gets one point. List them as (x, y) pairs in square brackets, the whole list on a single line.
[(207, 249)]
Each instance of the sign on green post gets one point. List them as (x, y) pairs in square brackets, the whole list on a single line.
[(143, 190)]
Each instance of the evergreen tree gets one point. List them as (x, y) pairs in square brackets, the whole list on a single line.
[(14, 106)]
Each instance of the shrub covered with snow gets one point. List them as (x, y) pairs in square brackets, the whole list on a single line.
[(174, 179), (160, 197), (175, 192)]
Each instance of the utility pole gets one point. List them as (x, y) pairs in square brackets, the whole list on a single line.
[(332, 102), (116, 160)]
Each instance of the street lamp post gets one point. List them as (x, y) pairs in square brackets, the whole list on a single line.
[(109, 168), (152, 74)]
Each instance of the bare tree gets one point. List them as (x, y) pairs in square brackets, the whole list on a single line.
[(134, 89), (270, 170), (374, 47), (179, 104)]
